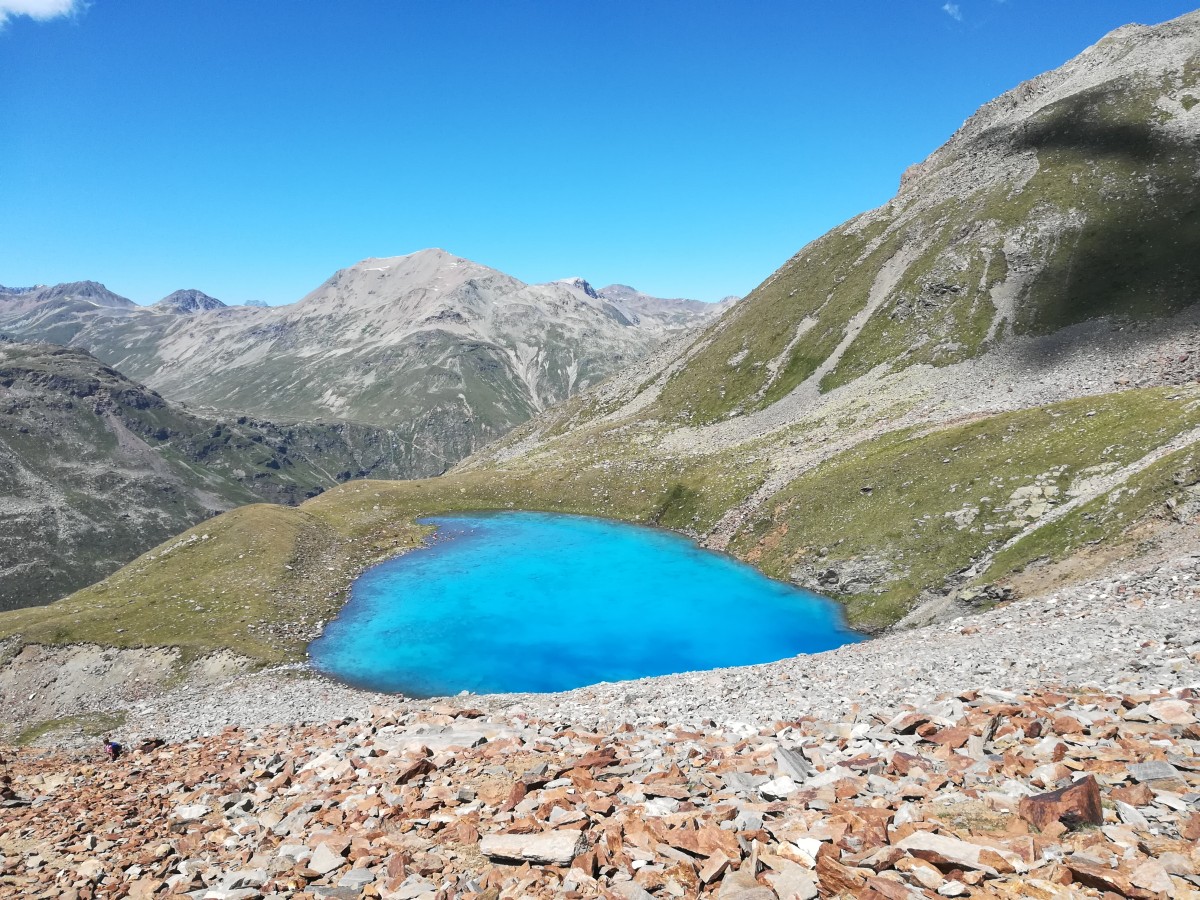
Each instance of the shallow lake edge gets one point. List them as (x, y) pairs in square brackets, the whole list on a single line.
[(431, 537)]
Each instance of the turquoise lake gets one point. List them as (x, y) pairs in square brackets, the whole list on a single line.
[(535, 602)]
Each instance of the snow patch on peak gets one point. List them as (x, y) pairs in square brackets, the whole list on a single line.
[(580, 284)]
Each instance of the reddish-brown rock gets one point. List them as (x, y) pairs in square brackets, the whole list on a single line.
[(1073, 806)]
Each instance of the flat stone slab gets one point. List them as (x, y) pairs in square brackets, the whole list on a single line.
[(555, 848), (1156, 770)]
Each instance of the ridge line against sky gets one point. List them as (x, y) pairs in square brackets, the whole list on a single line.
[(685, 148)]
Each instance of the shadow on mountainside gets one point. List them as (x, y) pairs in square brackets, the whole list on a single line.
[(1136, 255)]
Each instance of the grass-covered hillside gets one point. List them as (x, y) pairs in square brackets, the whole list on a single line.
[(896, 517), (1070, 198)]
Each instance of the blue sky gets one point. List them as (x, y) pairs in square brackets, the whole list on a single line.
[(249, 149)]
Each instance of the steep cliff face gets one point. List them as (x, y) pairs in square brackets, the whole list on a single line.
[(448, 353), (95, 468)]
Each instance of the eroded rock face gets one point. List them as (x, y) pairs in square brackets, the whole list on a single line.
[(861, 575), (96, 469)]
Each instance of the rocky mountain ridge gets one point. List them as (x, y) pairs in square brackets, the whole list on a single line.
[(445, 352)]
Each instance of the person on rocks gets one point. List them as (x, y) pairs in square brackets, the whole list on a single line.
[(112, 749)]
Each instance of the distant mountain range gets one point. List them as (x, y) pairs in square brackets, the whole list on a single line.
[(446, 353)]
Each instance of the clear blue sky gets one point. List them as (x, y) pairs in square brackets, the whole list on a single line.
[(251, 147)]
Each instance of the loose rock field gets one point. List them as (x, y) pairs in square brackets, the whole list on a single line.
[(1049, 748)]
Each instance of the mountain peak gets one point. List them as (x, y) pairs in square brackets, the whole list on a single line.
[(189, 301), (580, 284), (381, 280), (89, 291), (428, 259)]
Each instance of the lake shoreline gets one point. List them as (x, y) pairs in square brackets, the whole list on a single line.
[(492, 597)]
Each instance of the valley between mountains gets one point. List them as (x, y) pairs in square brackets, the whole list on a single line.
[(971, 416)]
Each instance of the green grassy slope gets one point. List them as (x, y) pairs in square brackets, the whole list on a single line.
[(1108, 224), (919, 508)]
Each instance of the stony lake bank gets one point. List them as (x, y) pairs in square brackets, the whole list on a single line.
[(908, 766)]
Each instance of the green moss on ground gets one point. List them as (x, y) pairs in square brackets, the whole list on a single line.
[(90, 724)]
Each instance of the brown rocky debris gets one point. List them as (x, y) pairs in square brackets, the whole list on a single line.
[(1074, 806)]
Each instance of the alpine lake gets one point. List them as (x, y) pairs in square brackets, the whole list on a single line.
[(536, 602)]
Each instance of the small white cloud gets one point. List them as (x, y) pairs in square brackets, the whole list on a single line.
[(38, 9), (953, 10)]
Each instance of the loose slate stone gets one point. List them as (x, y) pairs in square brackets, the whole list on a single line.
[(356, 878), (942, 850), (1156, 770), (324, 860), (556, 848), (793, 764), (741, 885), (778, 788), (630, 890), (1173, 712)]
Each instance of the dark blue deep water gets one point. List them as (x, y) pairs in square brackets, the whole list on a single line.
[(544, 602)]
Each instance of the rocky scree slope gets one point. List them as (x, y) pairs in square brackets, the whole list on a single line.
[(447, 353), (1052, 449), (964, 778), (96, 469), (1080, 793)]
